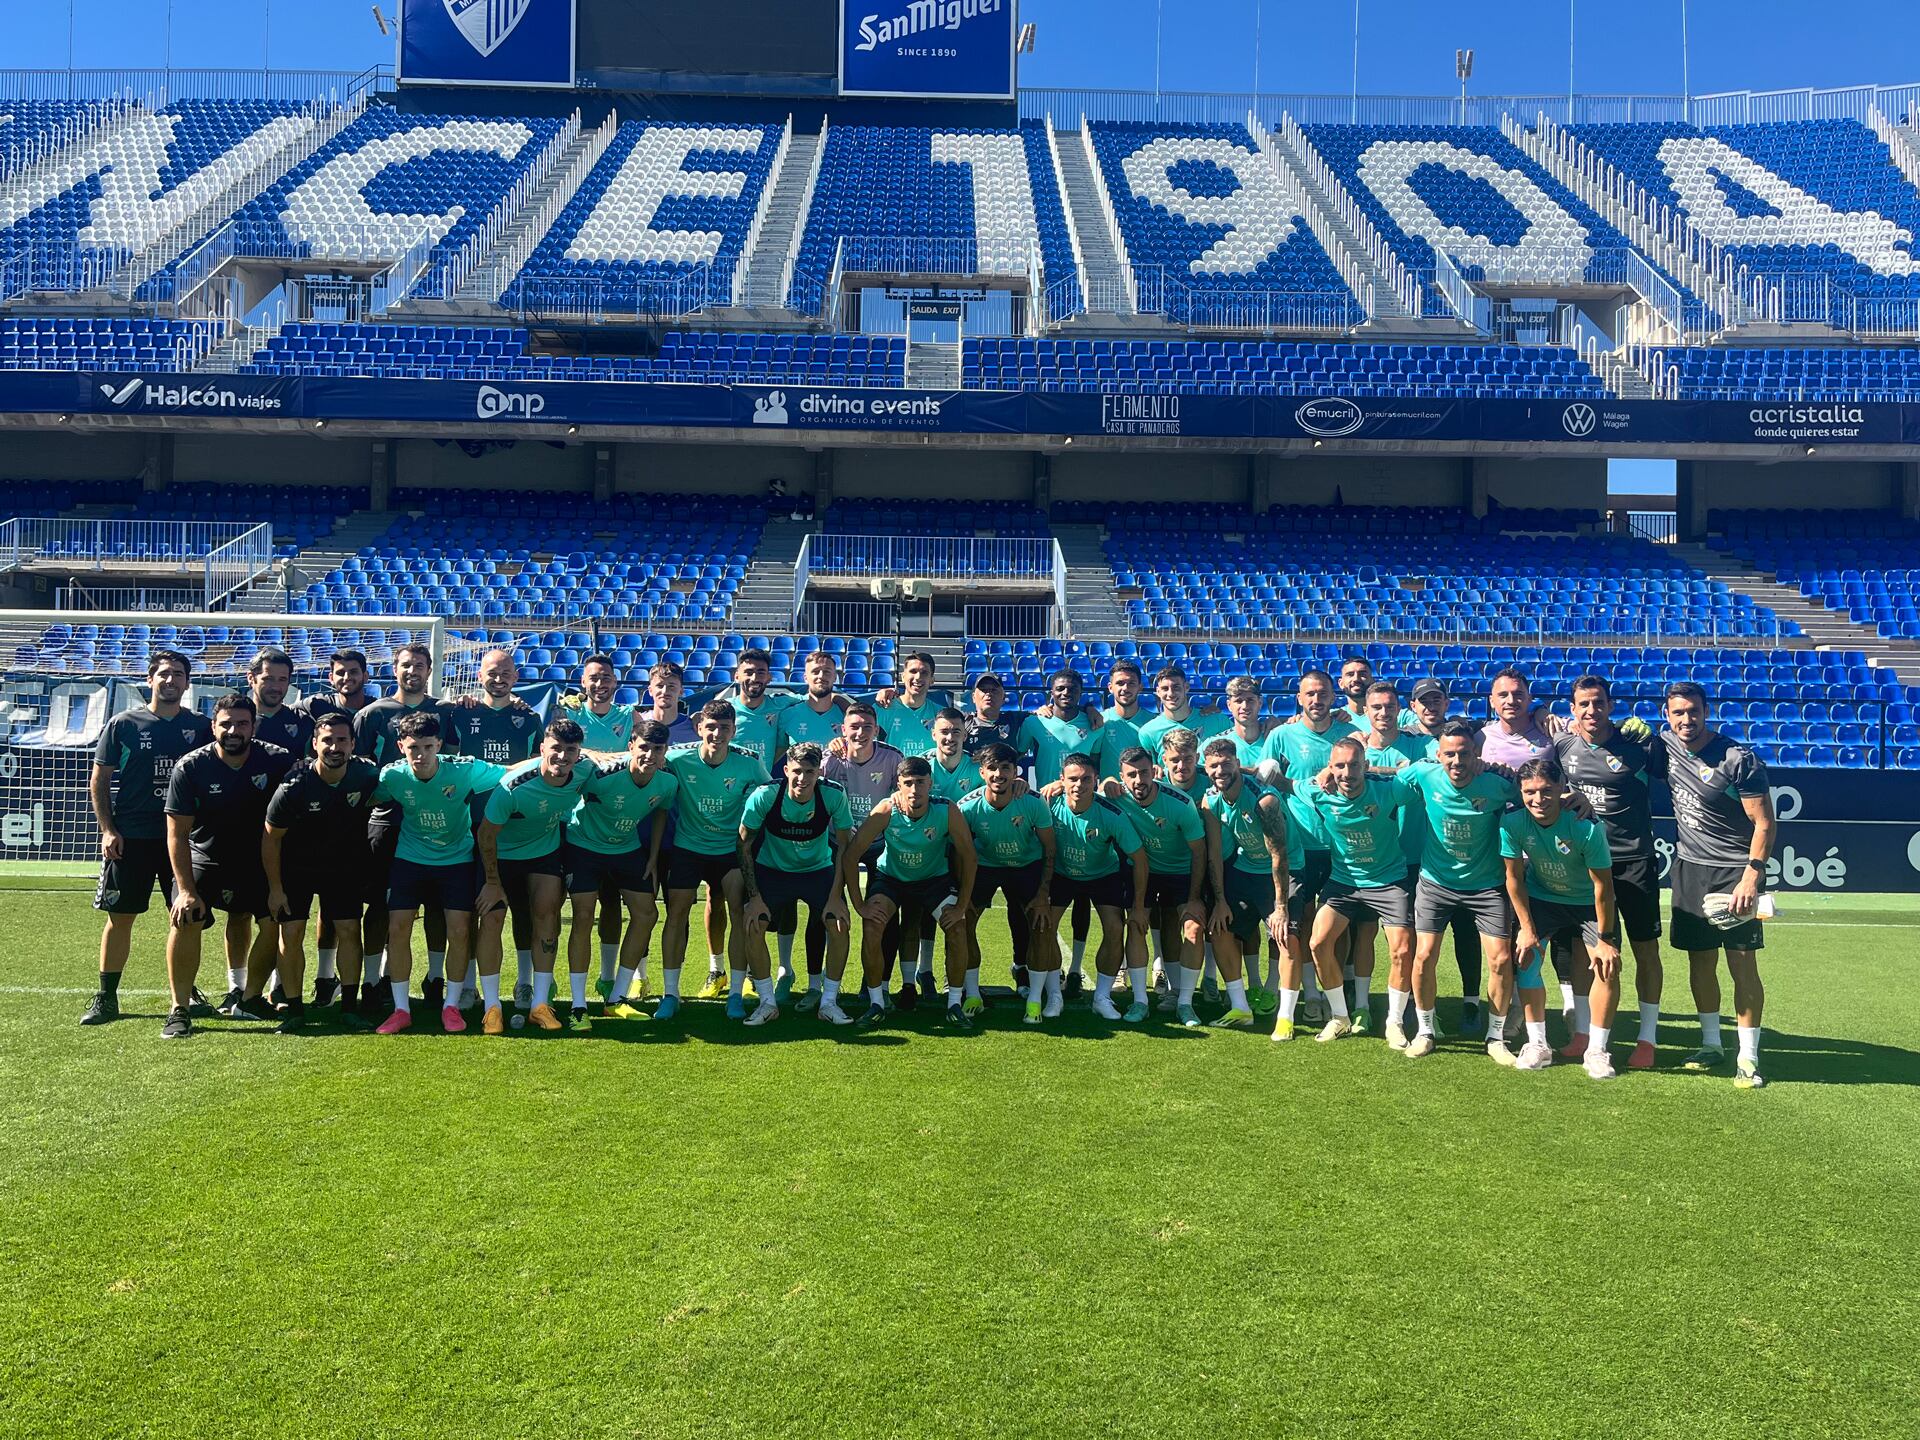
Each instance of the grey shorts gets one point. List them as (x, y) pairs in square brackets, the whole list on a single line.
[(1553, 921), (1435, 905), (1390, 905), (1692, 882)]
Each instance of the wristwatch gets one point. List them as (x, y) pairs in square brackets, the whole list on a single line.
[(1759, 865)]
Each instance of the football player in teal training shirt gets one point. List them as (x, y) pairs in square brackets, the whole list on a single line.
[(614, 842), (1099, 858), (1174, 830), (1252, 879), (791, 835)]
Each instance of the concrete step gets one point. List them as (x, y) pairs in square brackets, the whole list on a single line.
[(486, 280), (780, 232), (1823, 628), (1101, 279)]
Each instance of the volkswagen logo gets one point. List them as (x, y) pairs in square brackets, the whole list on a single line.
[(1578, 420)]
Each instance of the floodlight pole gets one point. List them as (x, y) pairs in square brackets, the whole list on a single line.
[(1356, 62), (1571, 21), (1159, 13), (1686, 84), (1256, 49)]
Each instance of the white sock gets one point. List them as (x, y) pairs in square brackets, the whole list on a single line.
[(236, 977), (577, 988), (1337, 1002), (1397, 1002), (1208, 970), (1569, 1000), (1497, 1025), (1582, 1014), (786, 954), (523, 972), (716, 964), (1137, 975), (490, 991), (542, 987), (1103, 988), (1749, 1043), (1237, 995), (926, 959), (1289, 1004), (1189, 978), (670, 981), (973, 980), (954, 996), (401, 1000), (622, 983), (329, 964), (1362, 992), (876, 994), (1036, 986), (1597, 1038), (370, 968), (1710, 1031), (1650, 1021), (436, 964), (830, 992), (736, 984), (1536, 1032), (609, 960), (1055, 982), (1159, 955), (1424, 1020), (1079, 955)]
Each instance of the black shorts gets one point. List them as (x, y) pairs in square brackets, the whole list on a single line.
[(1313, 876), (927, 897), (413, 886), (1114, 891), (1435, 905), (1019, 883), (126, 884), (590, 872), (514, 874), (383, 841), (242, 892), (1167, 892), (340, 888), (1389, 905), (1692, 931), (1636, 895), (1250, 901), (785, 892), (1556, 922), (689, 870)]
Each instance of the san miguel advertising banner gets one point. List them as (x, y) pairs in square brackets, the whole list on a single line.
[(944, 49), (514, 43)]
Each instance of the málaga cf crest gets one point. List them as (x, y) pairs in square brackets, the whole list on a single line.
[(486, 23)]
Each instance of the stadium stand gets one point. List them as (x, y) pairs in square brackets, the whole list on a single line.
[(83, 648), (1815, 373), (660, 559), (1205, 206), (1428, 571), (1867, 567), (84, 342), (1253, 367), (556, 656), (664, 201), (301, 515), (31, 131), (500, 352), (1797, 202), (967, 202), (934, 517), (1842, 711)]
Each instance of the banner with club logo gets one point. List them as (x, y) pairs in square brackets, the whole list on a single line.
[(945, 49), (517, 43)]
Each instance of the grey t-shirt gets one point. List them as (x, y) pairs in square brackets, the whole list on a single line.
[(866, 784), (1613, 777), (1708, 787)]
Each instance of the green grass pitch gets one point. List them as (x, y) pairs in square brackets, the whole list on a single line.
[(657, 1231)]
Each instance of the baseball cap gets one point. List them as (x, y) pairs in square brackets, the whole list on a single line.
[(1429, 687)]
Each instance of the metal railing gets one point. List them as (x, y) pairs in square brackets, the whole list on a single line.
[(1067, 289), (760, 210), (1899, 142), (591, 298), (191, 84), (1013, 622), (975, 560), (216, 551), (1506, 629), (804, 212), (73, 596), (1816, 297), (1462, 299), (1661, 527), (43, 154), (802, 569), (847, 617), (506, 267), (1115, 237), (450, 265), (1300, 200), (1386, 263)]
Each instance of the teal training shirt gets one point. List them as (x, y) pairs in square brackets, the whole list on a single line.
[(612, 731), (712, 798), (956, 784), (1244, 836), (1154, 730), (1407, 748), (1558, 856), (1462, 849), (797, 839), (1302, 753), (800, 724), (1091, 846), (1050, 740), (532, 815), (436, 815), (1167, 825), (907, 729), (1008, 837), (754, 731), (916, 849), (612, 810), (1362, 834)]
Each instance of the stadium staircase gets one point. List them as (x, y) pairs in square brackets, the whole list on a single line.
[(1101, 275), (488, 279), (764, 603), (268, 594), (933, 365), (1822, 628), (226, 356), (1092, 611), (766, 264)]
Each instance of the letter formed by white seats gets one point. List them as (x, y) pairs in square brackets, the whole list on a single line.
[(1005, 227), (1259, 216), (1803, 219), (329, 209), (620, 225), (131, 213), (1555, 245)]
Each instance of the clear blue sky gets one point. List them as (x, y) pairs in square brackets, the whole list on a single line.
[(1623, 46)]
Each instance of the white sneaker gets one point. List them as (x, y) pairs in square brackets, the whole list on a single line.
[(1534, 1055), (831, 1012), (765, 1011), (1599, 1064), (1105, 1009), (1396, 1035), (1421, 1045), (1498, 1052), (1053, 1006), (1336, 1027)]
